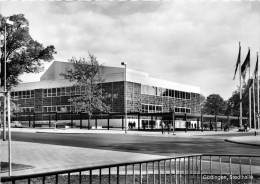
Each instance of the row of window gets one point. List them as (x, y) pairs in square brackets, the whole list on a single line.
[(156, 91), (158, 108), (67, 108), (52, 92), (151, 108), (58, 108), (65, 91), (27, 109), (182, 109), (23, 94)]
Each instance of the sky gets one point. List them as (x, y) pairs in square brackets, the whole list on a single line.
[(191, 42)]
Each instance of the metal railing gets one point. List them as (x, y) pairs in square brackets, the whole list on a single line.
[(191, 169)]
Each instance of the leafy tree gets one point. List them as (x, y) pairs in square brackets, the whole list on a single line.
[(214, 104), (233, 103), (86, 74), (24, 54)]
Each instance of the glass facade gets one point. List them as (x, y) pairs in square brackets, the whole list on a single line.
[(157, 91), (140, 98)]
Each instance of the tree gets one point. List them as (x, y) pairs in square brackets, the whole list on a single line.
[(233, 103), (86, 74), (214, 105), (24, 54)]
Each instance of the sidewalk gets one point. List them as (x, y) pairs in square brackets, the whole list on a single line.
[(248, 140), (45, 157), (220, 134)]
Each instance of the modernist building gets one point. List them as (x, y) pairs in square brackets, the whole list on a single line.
[(144, 93)]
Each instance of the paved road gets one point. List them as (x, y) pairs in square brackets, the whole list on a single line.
[(140, 144)]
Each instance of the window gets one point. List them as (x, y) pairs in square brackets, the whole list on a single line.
[(20, 94), (49, 92), (32, 94), (53, 109), (144, 108), (62, 91), (167, 92), (54, 92), (158, 108), (44, 109), (188, 110), (58, 91), (182, 110), (27, 109), (14, 95), (45, 93), (67, 92), (187, 95), (48, 109), (151, 108)]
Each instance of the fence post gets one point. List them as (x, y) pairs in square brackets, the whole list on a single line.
[(34, 120)]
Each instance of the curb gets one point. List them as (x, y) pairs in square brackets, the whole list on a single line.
[(245, 143), (60, 132)]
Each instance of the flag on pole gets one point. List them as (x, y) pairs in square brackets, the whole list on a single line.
[(256, 67), (245, 65), (238, 61)]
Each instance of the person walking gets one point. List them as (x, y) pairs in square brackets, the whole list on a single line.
[(162, 125)]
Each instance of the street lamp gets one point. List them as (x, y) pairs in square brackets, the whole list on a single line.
[(125, 99), (7, 94)]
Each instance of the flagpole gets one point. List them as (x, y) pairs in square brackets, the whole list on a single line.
[(254, 120), (257, 92), (250, 115), (250, 105), (240, 91)]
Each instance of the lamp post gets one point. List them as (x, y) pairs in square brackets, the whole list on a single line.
[(7, 98), (1, 45), (125, 99)]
